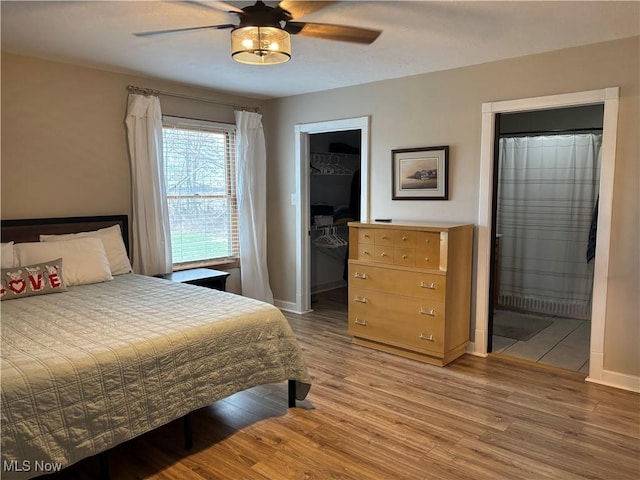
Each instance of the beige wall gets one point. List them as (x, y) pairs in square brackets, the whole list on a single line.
[(64, 148), (444, 108)]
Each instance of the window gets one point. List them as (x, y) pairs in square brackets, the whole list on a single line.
[(200, 175)]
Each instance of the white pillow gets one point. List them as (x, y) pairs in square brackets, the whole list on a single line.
[(6, 255), (113, 246), (85, 260)]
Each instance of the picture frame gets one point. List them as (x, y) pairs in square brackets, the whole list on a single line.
[(420, 173)]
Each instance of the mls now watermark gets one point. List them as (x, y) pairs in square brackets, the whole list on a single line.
[(37, 466)]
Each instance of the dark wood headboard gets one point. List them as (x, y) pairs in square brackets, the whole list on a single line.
[(29, 230)]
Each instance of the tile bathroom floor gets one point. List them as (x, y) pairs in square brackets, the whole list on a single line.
[(564, 344)]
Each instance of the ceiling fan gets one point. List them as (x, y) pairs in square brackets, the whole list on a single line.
[(262, 35)]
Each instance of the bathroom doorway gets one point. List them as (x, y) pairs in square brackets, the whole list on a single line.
[(547, 169), (610, 97)]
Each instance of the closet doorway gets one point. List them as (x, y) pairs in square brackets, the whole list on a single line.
[(547, 169), (333, 175), (334, 198)]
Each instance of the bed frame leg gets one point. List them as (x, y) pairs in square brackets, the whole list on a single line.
[(292, 393), (104, 465), (188, 432)]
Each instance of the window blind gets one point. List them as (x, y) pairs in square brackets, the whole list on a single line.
[(200, 176)]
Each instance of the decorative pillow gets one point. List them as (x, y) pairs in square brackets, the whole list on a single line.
[(113, 246), (6, 255), (30, 280), (85, 260)]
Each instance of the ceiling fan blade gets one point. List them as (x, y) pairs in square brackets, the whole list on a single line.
[(220, 6), (342, 33), (181, 30), (300, 9)]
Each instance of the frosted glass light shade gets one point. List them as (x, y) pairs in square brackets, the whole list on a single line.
[(260, 45)]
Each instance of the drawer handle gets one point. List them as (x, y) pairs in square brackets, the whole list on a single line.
[(427, 241), (383, 254), (426, 259), (366, 235), (428, 338), (384, 237), (404, 238), (357, 321), (431, 313), (360, 275), (361, 299), (432, 286), (365, 252), (404, 256)]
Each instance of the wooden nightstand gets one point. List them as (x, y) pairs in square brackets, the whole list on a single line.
[(203, 277)]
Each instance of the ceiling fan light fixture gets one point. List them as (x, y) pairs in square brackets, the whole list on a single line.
[(260, 45)]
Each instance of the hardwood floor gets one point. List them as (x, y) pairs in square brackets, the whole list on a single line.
[(372, 415)]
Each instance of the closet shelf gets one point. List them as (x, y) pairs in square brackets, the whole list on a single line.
[(329, 163), (335, 156), (342, 226)]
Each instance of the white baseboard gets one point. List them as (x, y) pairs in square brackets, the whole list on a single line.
[(289, 307), (617, 380), (471, 350)]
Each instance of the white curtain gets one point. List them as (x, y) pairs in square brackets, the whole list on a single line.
[(252, 208), (547, 191), (150, 223)]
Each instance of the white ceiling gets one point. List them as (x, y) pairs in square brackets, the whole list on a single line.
[(418, 37)]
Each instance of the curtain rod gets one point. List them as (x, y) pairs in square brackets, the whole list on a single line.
[(552, 132), (149, 91)]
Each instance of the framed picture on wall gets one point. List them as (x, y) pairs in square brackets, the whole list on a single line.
[(420, 173)]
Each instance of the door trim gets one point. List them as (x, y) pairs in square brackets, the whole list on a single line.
[(610, 98), (302, 132)]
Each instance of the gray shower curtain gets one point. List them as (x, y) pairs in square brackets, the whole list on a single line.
[(547, 190)]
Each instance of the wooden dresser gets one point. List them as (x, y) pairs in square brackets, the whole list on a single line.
[(410, 288)]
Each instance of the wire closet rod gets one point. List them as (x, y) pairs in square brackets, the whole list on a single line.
[(149, 91)]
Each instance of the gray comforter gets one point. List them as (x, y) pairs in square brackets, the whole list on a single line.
[(87, 369)]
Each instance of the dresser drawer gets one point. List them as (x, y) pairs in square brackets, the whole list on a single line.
[(383, 254), (366, 252), (383, 237), (428, 250), (404, 238), (408, 283), (404, 256), (403, 322), (366, 236)]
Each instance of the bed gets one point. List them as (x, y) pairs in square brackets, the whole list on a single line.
[(97, 364)]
